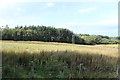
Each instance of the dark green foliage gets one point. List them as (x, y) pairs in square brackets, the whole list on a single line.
[(79, 40), (7, 34), (92, 40), (39, 33), (109, 41), (104, 36), (51, 34), (98, 39)]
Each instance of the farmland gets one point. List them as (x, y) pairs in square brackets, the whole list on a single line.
[(35, 46), (68, 39), (60, 60)]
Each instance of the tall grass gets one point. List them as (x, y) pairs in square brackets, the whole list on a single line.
[(27, 59), (62, 64)]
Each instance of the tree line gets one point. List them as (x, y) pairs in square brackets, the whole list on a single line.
[(99, 39), (51, 34)]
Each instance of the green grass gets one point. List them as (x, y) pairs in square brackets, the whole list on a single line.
[(58, 60)]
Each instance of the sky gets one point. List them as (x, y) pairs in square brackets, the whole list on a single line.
[(82, 17)]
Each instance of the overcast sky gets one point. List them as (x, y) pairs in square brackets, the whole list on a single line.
[(83, 16)]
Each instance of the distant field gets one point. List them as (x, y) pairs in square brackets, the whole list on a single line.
[(36, 46)]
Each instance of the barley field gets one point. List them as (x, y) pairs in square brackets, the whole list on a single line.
[(35, 46), (26, 59)]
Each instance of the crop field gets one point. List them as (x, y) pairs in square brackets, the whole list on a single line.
[(26, 59), (35, 46)]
